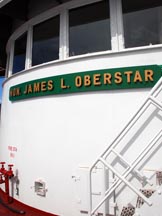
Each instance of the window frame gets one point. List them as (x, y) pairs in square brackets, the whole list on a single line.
[(31, 35), (135, 47), (13, 51), (116, 30), (63, 12), (79, 23), (11, 47)]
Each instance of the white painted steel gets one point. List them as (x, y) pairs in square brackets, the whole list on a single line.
[(156, 208), (126, 173), (144, 152), (58, 137), (135, 170), (37, 125)]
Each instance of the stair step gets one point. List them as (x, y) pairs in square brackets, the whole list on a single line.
[(98, 214), (158, 177), (148, 193), (128, 211)]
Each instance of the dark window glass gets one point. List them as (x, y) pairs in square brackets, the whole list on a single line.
[(89, 29), (142, 22), (19, 54), (46, 41)]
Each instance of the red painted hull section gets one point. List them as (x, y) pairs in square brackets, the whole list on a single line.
[(29, 211)]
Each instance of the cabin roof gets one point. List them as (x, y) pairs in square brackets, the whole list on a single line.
[(16, 12), (4, 2)]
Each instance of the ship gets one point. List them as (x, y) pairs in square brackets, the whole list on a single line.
[(81, 112)]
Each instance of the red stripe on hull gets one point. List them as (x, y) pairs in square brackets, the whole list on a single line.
[(29, 211)]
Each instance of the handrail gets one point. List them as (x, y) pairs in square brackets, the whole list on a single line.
[(126, 173), (150, 100), (154, 89)]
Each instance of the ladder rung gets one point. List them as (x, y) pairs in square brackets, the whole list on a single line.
[(124, 180), (121, 157), (143, 176), (129, 165), (155, 101)]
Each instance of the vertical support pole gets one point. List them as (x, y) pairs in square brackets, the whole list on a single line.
[(120, 25), (64, 39), (113, 25), (90, 193), (7, 197), (29, 42), (10, 65), (104, 187)]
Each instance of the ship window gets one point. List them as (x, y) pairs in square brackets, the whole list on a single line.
[(46, 41), (19, 54), (89, 29), (142, 22)]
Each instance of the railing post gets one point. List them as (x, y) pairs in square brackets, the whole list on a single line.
[(152, 99)]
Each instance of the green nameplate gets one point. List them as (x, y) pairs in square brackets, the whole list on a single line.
[(107, 79)]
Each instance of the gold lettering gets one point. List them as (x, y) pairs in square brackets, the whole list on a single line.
[(63, 86), (29, 89), (43, 86), (37, 87), (78, 81), (118, 77), (26, 88), (87, 80), (50, 85), (128, 74), (149, 75), (96, 79), (17, 91), (137, 77), (11, 93), (107, 78)]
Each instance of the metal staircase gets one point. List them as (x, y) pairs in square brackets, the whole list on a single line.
[(125, 158)]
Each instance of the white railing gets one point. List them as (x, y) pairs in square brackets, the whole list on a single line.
[(131, 167)]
